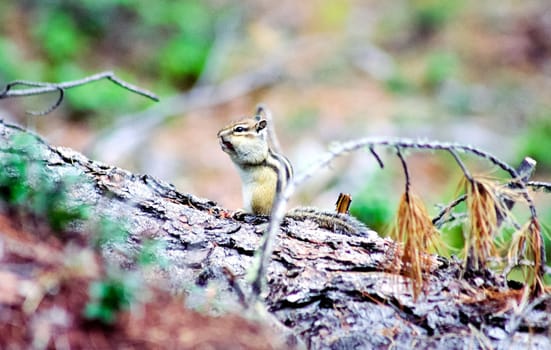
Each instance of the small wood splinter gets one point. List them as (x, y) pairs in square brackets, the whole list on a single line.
[(343, 203)]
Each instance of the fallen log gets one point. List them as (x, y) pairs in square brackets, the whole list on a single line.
[(329, 289)]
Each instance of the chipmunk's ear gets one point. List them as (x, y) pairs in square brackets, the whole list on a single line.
[(260, 111), (262, 123), (257, 117)]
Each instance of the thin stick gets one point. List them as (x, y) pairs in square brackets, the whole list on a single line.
[(461, 165), (447, 209), (377, 158), (39, 88), (406, 172), (539, 186), (56, 104), (51, 87)]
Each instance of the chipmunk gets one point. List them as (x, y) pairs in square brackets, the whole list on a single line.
[(265, 173)]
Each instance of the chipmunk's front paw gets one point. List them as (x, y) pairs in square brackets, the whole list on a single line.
[(241, 215)]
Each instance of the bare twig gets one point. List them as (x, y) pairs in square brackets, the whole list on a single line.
[(9, 87), (436, 221), (525, 170), (539, 186), (342, 206), (461, 164), (278, 210), (38, 88), (406, 172), (376, 156), (42, 88)]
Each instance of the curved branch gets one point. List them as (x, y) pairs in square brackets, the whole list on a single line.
[(406, 172), (461, 165), (38, 88)]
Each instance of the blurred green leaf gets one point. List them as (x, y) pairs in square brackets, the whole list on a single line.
[(398, 83), (372, 206), (432, 14), (111, 295), (192, 17), (57, 33), (535, 141), (440, 66), (27, 186), (96, 311), (184, 57)]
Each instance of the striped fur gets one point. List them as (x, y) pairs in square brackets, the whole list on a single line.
[(281, 165)]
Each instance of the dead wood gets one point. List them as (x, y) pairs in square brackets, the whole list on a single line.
[(331, 290)]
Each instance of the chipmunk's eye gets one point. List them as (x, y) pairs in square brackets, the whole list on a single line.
[(239, 129)]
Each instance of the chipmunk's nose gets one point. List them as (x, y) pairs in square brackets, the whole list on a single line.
[(225, 144)]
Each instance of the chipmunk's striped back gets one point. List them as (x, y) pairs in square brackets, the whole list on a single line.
[(282, 166)]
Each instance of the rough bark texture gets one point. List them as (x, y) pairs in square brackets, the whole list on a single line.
[(331, 290)]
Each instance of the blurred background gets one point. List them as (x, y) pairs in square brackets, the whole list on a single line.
[(474, 72)]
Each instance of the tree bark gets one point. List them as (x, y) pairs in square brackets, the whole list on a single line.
[(331, 290)]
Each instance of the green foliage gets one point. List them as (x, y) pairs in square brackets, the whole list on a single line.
[(26, 185), (59, 36), (535, 142), (183, 57), (15, 168), (167, 39), (452, 236), (111, 295), (51, 201), (372, 206), (398, 83), (430, 15)]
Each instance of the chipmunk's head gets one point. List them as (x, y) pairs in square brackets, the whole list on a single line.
[(245, 141)]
